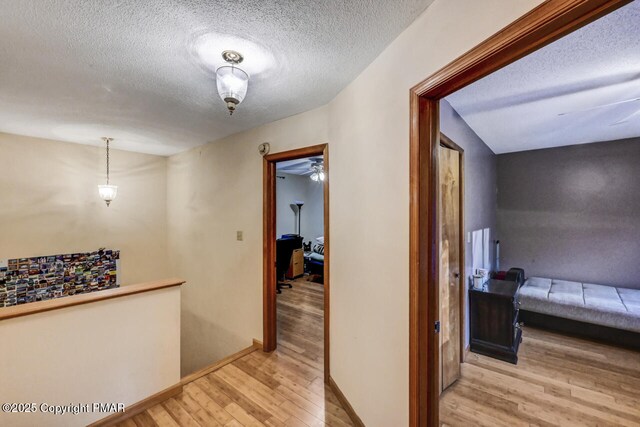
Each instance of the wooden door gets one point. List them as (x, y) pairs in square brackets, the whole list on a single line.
[(450, 277)]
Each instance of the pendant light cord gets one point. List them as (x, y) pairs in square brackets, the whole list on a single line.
[(108, 140)]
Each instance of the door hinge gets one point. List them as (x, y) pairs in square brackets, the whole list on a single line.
[(437, 326)]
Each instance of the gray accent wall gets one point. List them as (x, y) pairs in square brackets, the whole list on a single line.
[(572, 212)]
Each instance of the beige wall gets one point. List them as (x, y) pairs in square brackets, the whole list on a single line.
[(115, 351), (369, 125), (214, 191), (50, 204), (217, 189)]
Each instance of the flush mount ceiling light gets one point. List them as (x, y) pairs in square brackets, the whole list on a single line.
[(108, 192), (317, 173), (232, 82)]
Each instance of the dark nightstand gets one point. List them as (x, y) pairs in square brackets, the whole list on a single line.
[(493, 320)]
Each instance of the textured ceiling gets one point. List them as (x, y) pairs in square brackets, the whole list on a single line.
[(142, 72), (582, 88)]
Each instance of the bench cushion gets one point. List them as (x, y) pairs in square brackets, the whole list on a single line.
[(602, 296), (565, 292), (631, 300), (585, 302)]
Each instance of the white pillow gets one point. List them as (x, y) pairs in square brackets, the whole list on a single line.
[(320, 240)]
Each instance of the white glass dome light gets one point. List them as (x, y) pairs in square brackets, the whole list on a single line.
[(232, 82), (108, 192)]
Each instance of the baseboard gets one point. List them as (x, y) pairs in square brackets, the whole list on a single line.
[(258, 344), (345, 403), (141, 406), (219, 364), (174, 390)]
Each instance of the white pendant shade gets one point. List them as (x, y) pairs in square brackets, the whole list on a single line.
[(232, 85), (108, 192)]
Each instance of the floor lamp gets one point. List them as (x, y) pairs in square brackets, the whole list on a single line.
[(299, 205)]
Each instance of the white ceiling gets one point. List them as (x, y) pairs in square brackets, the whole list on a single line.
[(298, 166), (582, 88), (142, 72)]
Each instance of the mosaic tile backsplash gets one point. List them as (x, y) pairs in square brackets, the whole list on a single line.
[(27, 280)]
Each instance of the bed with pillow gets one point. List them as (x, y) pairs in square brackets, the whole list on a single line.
[(596, 311), (315, 259)]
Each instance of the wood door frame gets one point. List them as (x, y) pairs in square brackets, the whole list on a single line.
[(269, 279), (448, 143), (544, 24)]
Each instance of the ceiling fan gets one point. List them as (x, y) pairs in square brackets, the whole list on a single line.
[(312, 167), (612, 104)]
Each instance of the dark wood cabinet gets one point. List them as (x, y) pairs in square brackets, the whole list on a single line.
[(493, 320)]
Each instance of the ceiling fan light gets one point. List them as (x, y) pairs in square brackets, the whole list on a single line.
[(315, 176), (321, 175), (232, 83)]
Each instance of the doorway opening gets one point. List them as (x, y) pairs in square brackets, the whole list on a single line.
[(296, 254), (543, 25)]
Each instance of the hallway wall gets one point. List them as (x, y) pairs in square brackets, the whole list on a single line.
[(216, 189), (369, 130), (50, 204)]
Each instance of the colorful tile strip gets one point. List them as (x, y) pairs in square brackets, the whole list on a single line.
[(26, 280)]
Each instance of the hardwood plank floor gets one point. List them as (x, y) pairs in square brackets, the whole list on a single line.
[(284, 388), (558, 381)]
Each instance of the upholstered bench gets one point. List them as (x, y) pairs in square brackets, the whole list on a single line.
[(582, 308)]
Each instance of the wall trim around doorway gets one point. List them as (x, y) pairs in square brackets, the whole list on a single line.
[(269, 246), (544, 24)]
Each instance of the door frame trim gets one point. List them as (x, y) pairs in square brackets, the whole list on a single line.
[(447, 142), (269, 280), (544, 24)]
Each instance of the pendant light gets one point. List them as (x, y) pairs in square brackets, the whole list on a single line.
[(232, 82), (107, 192)]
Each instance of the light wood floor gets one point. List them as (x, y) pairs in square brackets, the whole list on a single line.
[(300, 321), (284, 388), (558, 381)]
